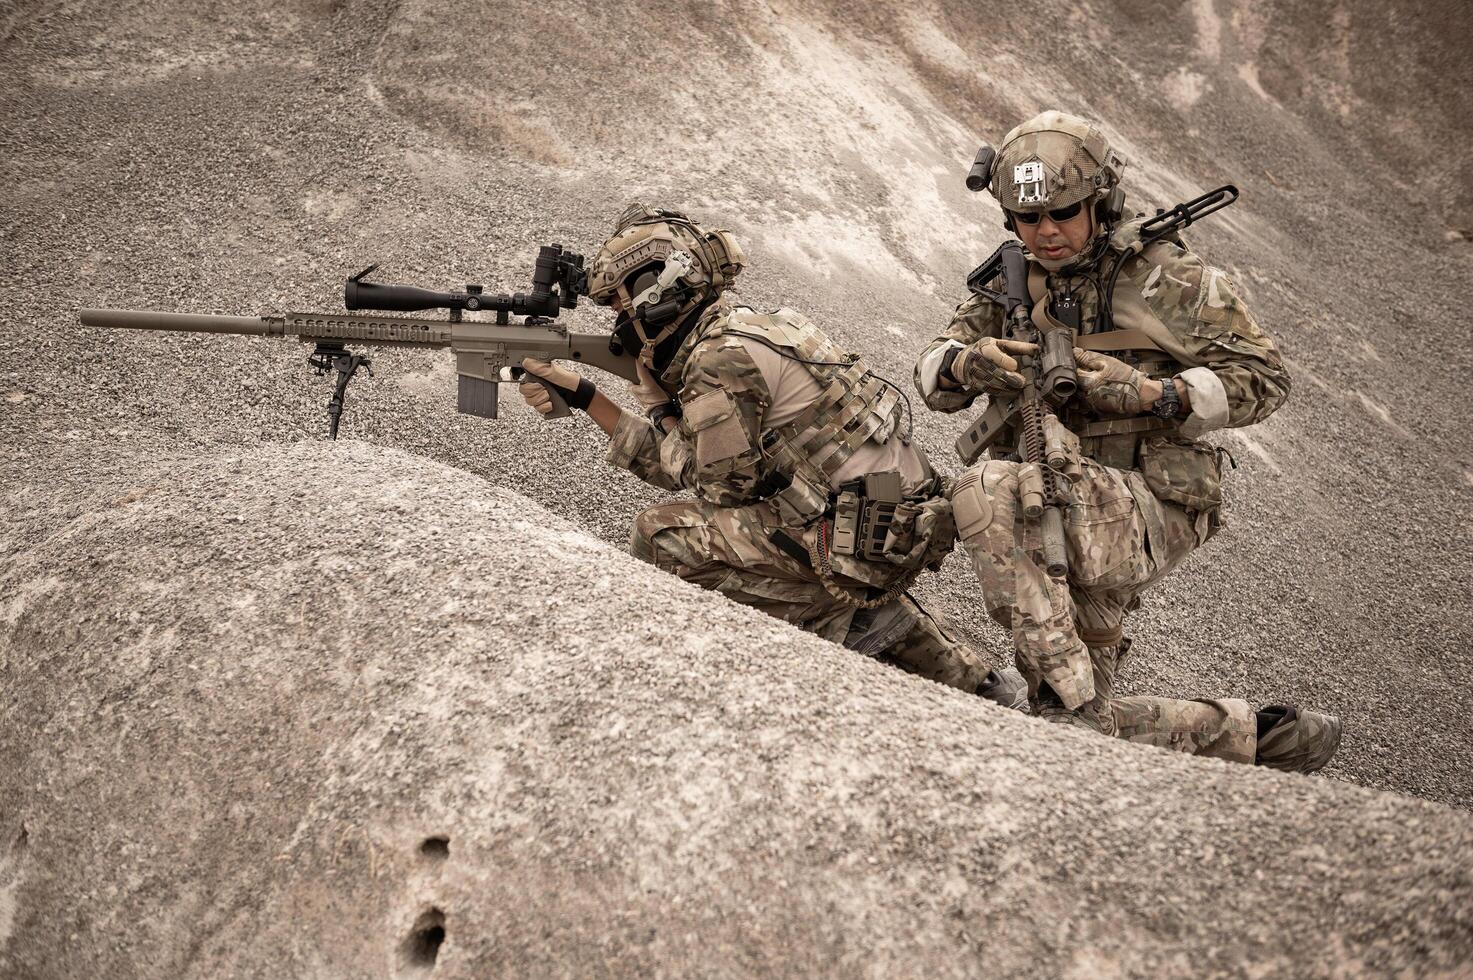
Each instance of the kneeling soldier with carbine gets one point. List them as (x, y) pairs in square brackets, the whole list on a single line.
[(1097, 483)]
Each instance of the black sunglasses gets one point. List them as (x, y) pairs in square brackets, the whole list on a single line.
[(1057, 214)]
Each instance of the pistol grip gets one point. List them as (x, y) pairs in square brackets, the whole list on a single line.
[(560, 409)]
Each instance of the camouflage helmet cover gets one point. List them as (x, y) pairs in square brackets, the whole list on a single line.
[(1052, 161), (644, 236)]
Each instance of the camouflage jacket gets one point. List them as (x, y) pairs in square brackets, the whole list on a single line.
[(739, 442), (1204, 332), (725, 465)]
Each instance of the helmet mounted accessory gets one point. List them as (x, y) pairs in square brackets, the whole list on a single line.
[(663, 269), (647, 299), (1048, 165), (981, 173)]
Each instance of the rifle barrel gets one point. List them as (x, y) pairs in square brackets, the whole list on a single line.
[(193, 322)]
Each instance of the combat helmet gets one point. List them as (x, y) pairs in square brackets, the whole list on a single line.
[(661, 266), (1050, 162)]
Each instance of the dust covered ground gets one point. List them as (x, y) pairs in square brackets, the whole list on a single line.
[(244, 159), (303, 706)]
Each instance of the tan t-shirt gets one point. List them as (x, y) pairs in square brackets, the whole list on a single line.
[(794, 389)]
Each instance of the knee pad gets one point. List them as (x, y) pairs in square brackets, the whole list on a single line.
[(970, 505), (650, 522)]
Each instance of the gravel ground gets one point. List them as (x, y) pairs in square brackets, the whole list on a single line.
[(281, 711), (244, 159)]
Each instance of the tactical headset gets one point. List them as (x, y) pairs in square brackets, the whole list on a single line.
[(655, 296)]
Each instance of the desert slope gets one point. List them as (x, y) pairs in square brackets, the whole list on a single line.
[(246, 158), (283, 711)]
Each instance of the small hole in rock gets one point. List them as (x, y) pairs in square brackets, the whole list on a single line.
[(435, 848), (422, 946)]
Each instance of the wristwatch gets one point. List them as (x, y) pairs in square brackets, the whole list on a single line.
[(1168, 406), (660, 413)]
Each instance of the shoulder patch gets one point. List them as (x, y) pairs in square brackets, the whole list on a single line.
[(1170, 279)]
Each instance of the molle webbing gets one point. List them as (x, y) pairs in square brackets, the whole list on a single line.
[(853, 408)]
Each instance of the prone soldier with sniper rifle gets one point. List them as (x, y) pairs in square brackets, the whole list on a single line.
[(759, 531)]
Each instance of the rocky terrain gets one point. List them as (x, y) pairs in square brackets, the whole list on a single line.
[(248, 679)]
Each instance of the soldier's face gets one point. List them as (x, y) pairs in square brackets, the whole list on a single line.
[(1057, 240)]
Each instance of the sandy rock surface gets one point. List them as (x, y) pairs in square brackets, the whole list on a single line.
[(287, 711), (246, 158)]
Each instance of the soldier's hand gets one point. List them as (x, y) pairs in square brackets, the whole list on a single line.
[(570, 385), (1110, 386), (991, 365)]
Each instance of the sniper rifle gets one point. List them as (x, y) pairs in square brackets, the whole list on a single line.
[(486, 353)]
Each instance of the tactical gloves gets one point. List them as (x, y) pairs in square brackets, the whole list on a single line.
[(989, 366), (575, 390), (1109, 385)]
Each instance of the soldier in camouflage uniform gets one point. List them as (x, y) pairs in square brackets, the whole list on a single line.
[(767, 421), (1171, 354)]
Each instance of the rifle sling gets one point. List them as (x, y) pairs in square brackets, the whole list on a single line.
[(1128, 338), (1120, 427)]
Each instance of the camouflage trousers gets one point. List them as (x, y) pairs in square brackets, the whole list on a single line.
[(726, 550), (1067, 633)]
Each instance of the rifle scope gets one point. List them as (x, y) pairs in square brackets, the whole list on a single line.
[(558, 279)]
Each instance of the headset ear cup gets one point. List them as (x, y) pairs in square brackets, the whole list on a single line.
[(1007, 221), (1114, 204)]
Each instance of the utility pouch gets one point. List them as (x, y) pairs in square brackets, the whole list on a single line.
[(863, 511), (1187, 474), (922, 533), (875, 521)]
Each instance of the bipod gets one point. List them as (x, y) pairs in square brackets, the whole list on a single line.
[(333, 357)]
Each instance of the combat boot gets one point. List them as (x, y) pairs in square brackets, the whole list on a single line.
[(1006, 686), (1295, 740)]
